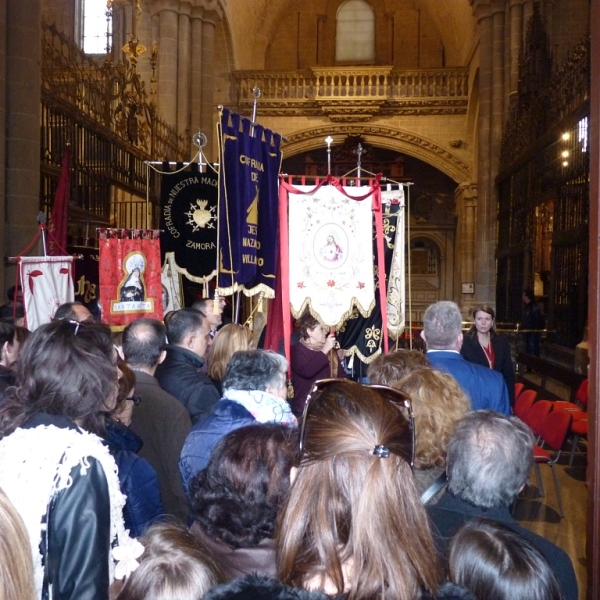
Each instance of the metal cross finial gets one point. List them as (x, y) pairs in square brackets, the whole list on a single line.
[(359, 152)]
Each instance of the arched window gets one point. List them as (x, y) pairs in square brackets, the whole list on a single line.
[(94, 24), (355, 32)]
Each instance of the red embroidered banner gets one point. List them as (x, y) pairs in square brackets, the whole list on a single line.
[(130, 276)]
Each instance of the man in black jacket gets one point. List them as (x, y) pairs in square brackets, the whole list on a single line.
[(181, 373), (488, 461)]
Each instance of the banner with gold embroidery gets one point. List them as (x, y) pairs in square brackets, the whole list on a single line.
[(361, 337), (188, 220), (130, 276), (331, 258), (249, 158)]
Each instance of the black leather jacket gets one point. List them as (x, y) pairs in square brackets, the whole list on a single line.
[(180, 374), (77, 544)]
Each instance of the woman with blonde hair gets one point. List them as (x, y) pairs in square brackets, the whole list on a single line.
[(173, 565), (439, 403), (16, 567), (353, 522), (229, 339)]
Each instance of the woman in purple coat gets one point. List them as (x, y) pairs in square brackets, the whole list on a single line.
[(312, 359)]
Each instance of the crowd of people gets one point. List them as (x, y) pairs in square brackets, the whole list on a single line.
[(170, 461)]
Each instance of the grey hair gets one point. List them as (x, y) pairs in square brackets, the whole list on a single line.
[(442, 324), (255, 370), (489, 457)]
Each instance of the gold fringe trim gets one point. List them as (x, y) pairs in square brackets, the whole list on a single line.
[(365, 312)]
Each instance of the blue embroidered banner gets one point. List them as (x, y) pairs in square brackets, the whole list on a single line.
[(249, 158)]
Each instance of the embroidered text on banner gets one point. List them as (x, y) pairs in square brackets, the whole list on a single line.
[(249, 159), (188, 219)]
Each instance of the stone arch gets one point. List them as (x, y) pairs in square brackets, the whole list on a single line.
[(384, 137)]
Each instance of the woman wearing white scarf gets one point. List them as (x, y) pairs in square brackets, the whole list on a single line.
[(254, 391), (56, 471)]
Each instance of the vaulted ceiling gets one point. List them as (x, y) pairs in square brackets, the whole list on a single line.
[(253, 23)]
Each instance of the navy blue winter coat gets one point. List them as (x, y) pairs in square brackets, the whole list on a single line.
[(227, 416), (137, 478)]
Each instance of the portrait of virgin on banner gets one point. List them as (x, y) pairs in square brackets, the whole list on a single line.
[(331, 254)]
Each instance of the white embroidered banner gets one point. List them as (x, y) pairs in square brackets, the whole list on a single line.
[(396, 288), (171, 284), (331, 253), (47, 282)]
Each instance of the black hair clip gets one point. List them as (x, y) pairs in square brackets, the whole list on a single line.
[(381, 451)]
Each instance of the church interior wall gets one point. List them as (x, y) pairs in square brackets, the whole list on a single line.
[(297, 45)]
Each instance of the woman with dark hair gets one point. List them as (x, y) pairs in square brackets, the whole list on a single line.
[(353, 522), (138, 480), (54, 467), (483, 346), (496, 563), (9, 353), (312, 359), (236, 499)]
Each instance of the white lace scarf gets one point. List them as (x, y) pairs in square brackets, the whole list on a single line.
[(36, 464), (264, 407)]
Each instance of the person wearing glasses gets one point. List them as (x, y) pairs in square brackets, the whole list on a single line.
[(53, 465), (73, 311), (353, 522), (138, 480)]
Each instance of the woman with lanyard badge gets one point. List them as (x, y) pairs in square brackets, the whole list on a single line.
[(483, 346)]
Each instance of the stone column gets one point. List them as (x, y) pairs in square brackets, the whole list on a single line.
[(465, 198), (516, 43), (21, 126), (491, 75), (167, 59), (207, 79), (184, 71), (527, 14)]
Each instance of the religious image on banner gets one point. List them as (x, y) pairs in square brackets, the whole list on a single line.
[(331, 253), (188, 220), (47, 282), (130, 276), (249, 158), (171, 285)]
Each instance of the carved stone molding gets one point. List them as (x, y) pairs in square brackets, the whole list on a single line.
[(385, 137)]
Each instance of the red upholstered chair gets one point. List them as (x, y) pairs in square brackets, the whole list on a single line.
[(518, 389), (582, 400), (553, 432), (524, 402), (535, 416), (579, 429)]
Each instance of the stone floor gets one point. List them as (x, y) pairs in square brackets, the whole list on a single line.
[(541, 515)]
